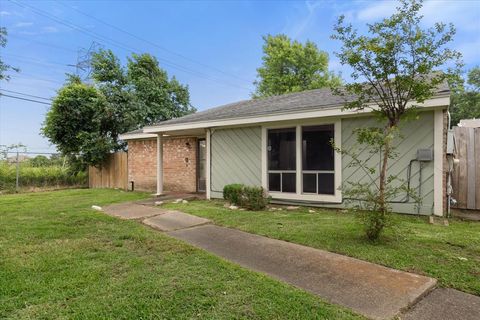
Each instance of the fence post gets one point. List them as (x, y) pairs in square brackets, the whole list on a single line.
[(16, 178)]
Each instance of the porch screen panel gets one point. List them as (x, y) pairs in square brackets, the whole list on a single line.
[(281, 159), (318, 159)]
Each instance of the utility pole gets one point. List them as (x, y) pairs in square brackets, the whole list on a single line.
[(84, 60)]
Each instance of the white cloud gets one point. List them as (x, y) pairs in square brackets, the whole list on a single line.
[(49, 29), (470, 50), (297, 26), (23, 24), (43, 30), (5, 13), (28, 33), (463, 13), (377, 10)]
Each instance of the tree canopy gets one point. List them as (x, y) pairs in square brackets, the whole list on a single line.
[(77, 125), (86, 119), (466, 99), (290, 66), (160, 98)]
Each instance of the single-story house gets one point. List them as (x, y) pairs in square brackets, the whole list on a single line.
[(282, 143)]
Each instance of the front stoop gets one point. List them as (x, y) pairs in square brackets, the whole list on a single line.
[(131, 211), (174, 220)]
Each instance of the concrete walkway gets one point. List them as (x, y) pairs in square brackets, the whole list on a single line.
[(368, 289), (174, 220), (446, 304), (131, 211)]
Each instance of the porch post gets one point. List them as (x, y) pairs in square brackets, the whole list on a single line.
[(208, 166), (159, 165), (438, 155)]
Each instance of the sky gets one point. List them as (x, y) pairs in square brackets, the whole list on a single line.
[(214, 47)]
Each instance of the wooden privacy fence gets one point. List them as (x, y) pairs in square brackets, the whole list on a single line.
[(113, 173), (466, 175)]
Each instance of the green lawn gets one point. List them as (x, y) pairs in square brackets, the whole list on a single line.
[(59, 259), (450, 254)]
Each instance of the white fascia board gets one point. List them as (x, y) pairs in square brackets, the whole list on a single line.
[(135, 136), (336, 111)]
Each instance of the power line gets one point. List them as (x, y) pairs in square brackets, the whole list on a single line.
[(119, 44), (31, 152), (24, 75), (151, 43), (29, 86), (26, 94), (29, 59), (50, 45), (25, 99)]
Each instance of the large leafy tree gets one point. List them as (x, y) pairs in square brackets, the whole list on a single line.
[(290, 66), (121, 112), (75, 123), (395, 67), (86, 120), (466, 99), (158, 97)]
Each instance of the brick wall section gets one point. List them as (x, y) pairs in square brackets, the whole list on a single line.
[(179, 164), (142, 164)]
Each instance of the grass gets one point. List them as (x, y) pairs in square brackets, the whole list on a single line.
[(450, 254), (61, 260)]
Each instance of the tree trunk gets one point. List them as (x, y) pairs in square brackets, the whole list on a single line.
[(382, 203)]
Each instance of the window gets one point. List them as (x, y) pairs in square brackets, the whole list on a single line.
[(300, 162), (318, 160), (281, 149)]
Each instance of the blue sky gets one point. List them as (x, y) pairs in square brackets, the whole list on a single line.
[(214, 47)]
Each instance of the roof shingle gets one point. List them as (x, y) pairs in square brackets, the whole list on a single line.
[(293, 102)]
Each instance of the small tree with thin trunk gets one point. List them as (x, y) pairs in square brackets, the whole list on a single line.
[(396, 66)]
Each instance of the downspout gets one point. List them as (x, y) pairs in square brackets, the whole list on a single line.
[(419, 187), (451, 161)]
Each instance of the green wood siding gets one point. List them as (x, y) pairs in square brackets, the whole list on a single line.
[(417, 134), (236, 158)]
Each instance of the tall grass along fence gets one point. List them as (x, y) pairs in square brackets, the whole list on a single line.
[(32, 178)]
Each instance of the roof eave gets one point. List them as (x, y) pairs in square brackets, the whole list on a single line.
[(135, 136), (440, 100)]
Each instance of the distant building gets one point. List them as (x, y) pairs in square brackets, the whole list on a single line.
[(21, 158)]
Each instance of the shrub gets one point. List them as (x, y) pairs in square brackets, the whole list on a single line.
[(233, 193), (251, 198), (254, 198)]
